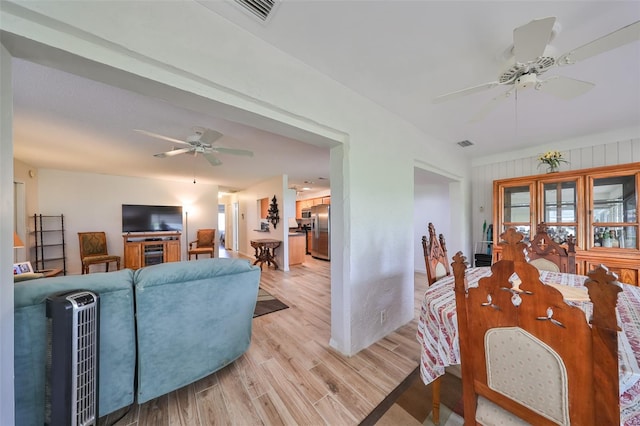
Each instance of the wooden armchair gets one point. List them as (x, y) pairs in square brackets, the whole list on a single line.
[(205, 244), (547, 255), (527, 356), (93, 251), (435, 256)]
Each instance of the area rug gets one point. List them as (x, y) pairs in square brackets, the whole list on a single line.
[(267, 303)]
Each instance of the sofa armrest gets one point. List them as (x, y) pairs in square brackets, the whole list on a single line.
[(27, 276)]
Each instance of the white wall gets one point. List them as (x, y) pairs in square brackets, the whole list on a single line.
[(370, 269), (591, 151), (432, 204), (7, 411), (93, 202)]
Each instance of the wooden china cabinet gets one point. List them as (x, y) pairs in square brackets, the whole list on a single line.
[(598, 206)]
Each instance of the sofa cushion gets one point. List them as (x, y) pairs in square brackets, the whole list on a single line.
[(117, 340), (193, 318)]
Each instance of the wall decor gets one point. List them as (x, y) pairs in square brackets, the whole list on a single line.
[(273, 215)]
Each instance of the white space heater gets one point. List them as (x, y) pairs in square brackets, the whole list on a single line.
[(71, 389)]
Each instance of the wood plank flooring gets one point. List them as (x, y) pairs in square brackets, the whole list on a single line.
[(290, 375)]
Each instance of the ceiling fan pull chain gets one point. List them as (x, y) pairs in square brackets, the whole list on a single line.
[(194, 169)]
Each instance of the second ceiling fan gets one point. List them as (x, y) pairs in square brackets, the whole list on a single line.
[(201, 142)]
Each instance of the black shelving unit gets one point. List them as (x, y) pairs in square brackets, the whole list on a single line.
[(50, 246)]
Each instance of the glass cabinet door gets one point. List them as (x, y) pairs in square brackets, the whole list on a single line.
[(560, 208), (614, 216), (516, 209)]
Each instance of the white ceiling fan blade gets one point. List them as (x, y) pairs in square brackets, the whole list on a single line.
[(530, 40), (564, 87), (610, 41), (464, 92), (233, 151), (212, 159), (490, 106), (155, 135), (173, 152), (209, 136)]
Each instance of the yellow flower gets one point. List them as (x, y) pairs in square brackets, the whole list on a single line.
[(552, 159)]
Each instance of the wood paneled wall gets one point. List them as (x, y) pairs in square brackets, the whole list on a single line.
[(621, 152)]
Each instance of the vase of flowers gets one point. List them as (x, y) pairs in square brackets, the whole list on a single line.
[(552, 160)]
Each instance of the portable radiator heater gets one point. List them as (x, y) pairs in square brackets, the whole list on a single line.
[(71, 389)]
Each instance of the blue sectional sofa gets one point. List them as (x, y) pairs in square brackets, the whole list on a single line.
[(169, 324)]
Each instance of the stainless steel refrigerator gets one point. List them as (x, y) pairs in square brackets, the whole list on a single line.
[(321, 231)]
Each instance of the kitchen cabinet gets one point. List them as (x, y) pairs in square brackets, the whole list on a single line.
[(306, 204), (264, 208), (598, 206), (297, 248)]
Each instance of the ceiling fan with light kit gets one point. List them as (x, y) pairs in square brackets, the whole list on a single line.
[(532, 56), (201, 142)]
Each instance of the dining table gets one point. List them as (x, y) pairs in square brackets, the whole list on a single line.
[(438, 331)]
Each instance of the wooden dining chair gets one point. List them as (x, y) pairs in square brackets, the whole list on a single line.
[(204, 244), (547, 255), (93, 251), (437, 264), (435, 255), (527, 356)]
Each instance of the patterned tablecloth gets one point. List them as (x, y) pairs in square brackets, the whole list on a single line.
[(438, 333)]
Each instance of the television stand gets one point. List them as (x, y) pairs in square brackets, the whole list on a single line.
[(142, 250)]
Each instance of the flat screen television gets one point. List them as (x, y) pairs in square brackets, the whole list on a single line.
[(145, 218)]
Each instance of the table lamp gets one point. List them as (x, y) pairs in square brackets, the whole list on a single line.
[(17, 242), (292, 223)]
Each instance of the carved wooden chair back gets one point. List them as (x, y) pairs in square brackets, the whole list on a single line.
[(545, 254), (204, 244), (437, 263), (435, 255), (529, 356)]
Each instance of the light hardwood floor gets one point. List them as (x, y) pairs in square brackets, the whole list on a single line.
[(290, 375)]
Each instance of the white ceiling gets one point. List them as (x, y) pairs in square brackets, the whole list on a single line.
[(66, 122), (400, 54)]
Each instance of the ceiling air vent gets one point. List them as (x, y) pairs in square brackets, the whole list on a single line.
[(465, 143), (260, 8)]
